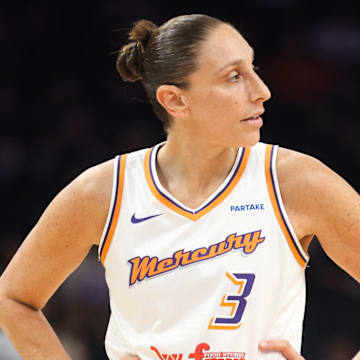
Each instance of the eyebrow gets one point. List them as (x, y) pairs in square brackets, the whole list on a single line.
[(236, 62)]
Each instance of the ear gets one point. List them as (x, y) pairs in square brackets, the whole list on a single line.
[(172, 99)]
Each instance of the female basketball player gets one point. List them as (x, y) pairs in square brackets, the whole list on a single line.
[(204, 237)]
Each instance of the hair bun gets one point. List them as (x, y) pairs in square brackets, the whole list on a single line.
[(130, 58), (142, 31)]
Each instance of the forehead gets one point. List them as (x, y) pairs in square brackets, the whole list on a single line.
[(224, 45)]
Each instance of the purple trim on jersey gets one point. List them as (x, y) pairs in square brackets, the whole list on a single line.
[(153, 180), (229, 182), (207, 204), (278, 203), (113, 208)]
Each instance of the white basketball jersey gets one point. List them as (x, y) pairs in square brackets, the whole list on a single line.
[(205, 283)]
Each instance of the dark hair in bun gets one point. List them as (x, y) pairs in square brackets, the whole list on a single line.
[(130, 59), (164, 56)]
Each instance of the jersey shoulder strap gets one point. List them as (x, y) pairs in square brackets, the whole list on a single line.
[(279, 208), (114, 209)]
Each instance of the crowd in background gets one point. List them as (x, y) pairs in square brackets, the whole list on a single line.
[(63, 108)]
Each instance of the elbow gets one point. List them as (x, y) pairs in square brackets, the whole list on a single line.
[(11, 308), (5, 309)]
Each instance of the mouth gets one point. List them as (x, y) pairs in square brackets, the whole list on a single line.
[(254, 120), (255, 116)]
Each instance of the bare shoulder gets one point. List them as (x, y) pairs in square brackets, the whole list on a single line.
[(95, 184), (89, 195), (308, 184), (306, 177), (299, 178), (320, 202), (305, 167)]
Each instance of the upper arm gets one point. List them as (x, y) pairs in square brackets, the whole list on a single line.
[(55, 247), (324, 204)]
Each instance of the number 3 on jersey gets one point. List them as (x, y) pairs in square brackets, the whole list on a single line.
[(237, 302)]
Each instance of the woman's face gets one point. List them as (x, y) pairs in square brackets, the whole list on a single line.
[(225, 91)]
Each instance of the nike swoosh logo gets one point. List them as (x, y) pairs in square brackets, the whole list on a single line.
[(136, 220)]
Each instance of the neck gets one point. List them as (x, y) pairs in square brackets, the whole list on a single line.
[(193, 165)]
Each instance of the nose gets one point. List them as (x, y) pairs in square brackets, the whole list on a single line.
[(258, 90)]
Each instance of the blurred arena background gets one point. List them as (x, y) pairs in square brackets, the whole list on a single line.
[(63, 108)]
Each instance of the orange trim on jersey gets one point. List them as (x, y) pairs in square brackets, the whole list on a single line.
[(116, 207), (279, 216), (212, 204), (213, 326), (236, 282)]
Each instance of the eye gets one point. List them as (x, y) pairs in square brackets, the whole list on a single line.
[(234, 76)]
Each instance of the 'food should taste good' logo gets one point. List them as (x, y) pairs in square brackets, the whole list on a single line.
[(202, 353)]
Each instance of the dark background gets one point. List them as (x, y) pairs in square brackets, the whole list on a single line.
[(64, 108)]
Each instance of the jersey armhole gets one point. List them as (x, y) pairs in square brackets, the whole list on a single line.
[(114, 208), (278, 206)]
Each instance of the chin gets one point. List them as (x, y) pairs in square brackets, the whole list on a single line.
[(249, 140)]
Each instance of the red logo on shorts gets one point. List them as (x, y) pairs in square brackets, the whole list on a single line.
[(199, 354), (166, 356), (202, 353)]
